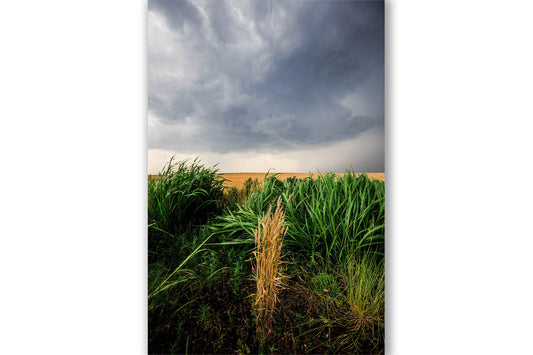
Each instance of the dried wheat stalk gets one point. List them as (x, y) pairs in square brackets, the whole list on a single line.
[(267, 269)]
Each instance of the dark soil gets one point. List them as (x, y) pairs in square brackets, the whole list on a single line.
[(229, 325)]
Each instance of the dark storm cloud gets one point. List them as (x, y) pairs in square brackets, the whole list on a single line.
[(272, 75)]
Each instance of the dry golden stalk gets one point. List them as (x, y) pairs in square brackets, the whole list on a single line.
[(267, 269)]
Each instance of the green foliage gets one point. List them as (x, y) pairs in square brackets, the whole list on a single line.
[(239, 271), (199, 271), (325, 284), (182, 197), (204, 316), (329, 219), (234, 196), (249, 186), (336, 217), (183, 194), (351, 303), (293, 180)]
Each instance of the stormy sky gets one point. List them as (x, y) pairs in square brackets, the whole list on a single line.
[(293, 86)]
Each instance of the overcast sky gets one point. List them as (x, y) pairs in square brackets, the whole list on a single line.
[(294, 86)]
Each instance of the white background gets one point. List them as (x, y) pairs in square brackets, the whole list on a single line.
[(73, 188)]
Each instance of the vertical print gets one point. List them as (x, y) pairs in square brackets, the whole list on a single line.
[(266, 192)]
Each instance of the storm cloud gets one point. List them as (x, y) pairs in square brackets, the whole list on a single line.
[(264, 76)]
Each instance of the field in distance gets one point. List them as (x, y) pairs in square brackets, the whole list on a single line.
[(238, 179)]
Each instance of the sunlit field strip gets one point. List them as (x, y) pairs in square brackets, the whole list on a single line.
[(238, 179)]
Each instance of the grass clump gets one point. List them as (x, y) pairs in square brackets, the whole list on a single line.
[(267, 268), (364, 316), (183, 194), (180, 199), (351, 304)]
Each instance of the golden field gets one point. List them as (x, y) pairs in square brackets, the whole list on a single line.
[(238, 179)]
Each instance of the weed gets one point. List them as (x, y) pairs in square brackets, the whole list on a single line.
[(326, 284), (204, 316), (237, 273)]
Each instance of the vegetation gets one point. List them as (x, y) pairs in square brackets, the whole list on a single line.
[(181, 198), (216, 282), (234, 196), (267, 269)]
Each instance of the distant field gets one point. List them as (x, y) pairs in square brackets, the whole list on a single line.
[(238, 179)]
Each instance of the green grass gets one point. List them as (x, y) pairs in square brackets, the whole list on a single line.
[(181, 199), (200, 277), (329, 219), (233, 197), (350, 302), (183, 194)]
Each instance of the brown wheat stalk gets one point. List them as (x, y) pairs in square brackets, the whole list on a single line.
[(267, 269)]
